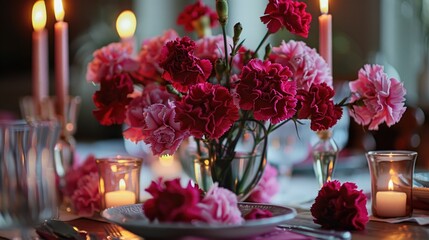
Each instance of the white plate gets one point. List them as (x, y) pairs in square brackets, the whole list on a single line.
[(422, 178), (131, 217)]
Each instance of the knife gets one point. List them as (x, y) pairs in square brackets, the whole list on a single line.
[(317, 233)]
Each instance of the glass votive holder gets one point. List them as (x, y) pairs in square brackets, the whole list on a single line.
[(119, 182), (391, 182)]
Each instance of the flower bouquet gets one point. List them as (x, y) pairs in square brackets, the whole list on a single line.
[(218, 95)]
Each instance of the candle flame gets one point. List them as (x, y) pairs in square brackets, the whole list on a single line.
[(166, 160), (39, 15), (126, 24), (59, 10), (324, 6), (390, 185), (122, 185)]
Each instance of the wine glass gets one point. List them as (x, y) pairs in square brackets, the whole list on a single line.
[(27, 174)]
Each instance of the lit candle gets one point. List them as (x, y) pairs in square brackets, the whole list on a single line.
[(126, 26), (61, 57), (120, 197), (325, 33), (40, 52), (391, 203)]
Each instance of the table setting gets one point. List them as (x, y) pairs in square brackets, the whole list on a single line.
[(202, 110)]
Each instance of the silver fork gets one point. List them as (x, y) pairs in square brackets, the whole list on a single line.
[(113, 232)]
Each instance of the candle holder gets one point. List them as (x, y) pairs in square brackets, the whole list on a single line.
[(119, 182), (391, 182)]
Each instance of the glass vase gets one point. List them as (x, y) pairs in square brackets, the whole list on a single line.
[(325, 153), (236, 161)]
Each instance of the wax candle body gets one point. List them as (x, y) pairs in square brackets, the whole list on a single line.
[(61, 64), (325, 38), (40, 65), (391, 204), (119, 198)]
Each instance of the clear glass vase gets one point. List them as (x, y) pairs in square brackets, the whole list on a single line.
[(325, 153), (236, 161)]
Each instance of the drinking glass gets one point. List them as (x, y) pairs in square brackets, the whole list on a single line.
[(27, 174)]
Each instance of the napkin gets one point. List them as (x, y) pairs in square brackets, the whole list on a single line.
[(421, 217)]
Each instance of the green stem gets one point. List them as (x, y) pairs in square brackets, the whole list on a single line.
[(260, 44), (225, 45)]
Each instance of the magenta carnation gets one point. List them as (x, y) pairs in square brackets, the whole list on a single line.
[(111, 60), (219, 205), (181, 67), (307, 66), (383, 98), (340, 207), (86, 200), (264, 88), (150, 56), (208, 110), (289, 14)]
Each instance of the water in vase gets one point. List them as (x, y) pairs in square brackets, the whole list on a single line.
[(324, 165)]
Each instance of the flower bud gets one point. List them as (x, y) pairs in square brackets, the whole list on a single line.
[(267, 51), (222, 11), (219, 68), (237, 31)]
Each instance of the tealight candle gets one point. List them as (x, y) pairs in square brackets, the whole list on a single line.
[(391, 203), (120, 197)]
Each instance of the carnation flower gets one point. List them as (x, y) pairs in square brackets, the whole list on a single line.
[(267, 187), (219, 205), (340, 207), (150, 55), (208, 110), (193, 13), (307, 66), (74, 174), (289, 14), (160, 129), (264, 88), (112, 98), (318, 106), (86, 198), (181, 67), (109, 61), (383, 98), (171, 202)]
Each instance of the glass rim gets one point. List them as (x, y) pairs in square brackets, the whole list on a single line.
[(391, 153), (119, 159)]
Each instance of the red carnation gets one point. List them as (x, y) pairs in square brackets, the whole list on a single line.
[(208, 110), (181, 67), (264, 88), (171, 202), (112, 98), (317, 105), (289, 14), (340, 207), (193, 13)]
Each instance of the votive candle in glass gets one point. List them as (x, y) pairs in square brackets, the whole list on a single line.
[(391, 182), (119, 182)]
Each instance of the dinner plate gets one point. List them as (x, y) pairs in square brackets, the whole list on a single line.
[(131, 217), (422, 178)]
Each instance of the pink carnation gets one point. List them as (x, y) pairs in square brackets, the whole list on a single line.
[(86, 198), (113, 59), (383, 98), (194, 12), (208, 110), (265, 89), (307, 66), (267, 187), (160, 129), (150, 56), (289, 14), (73, 175), (219, 205), (181, 67)]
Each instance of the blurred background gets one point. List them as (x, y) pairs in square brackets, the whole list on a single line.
[(391, 33)]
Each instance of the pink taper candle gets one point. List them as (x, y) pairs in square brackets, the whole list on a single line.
[(325, 33), (61, 57), (40, 52)]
